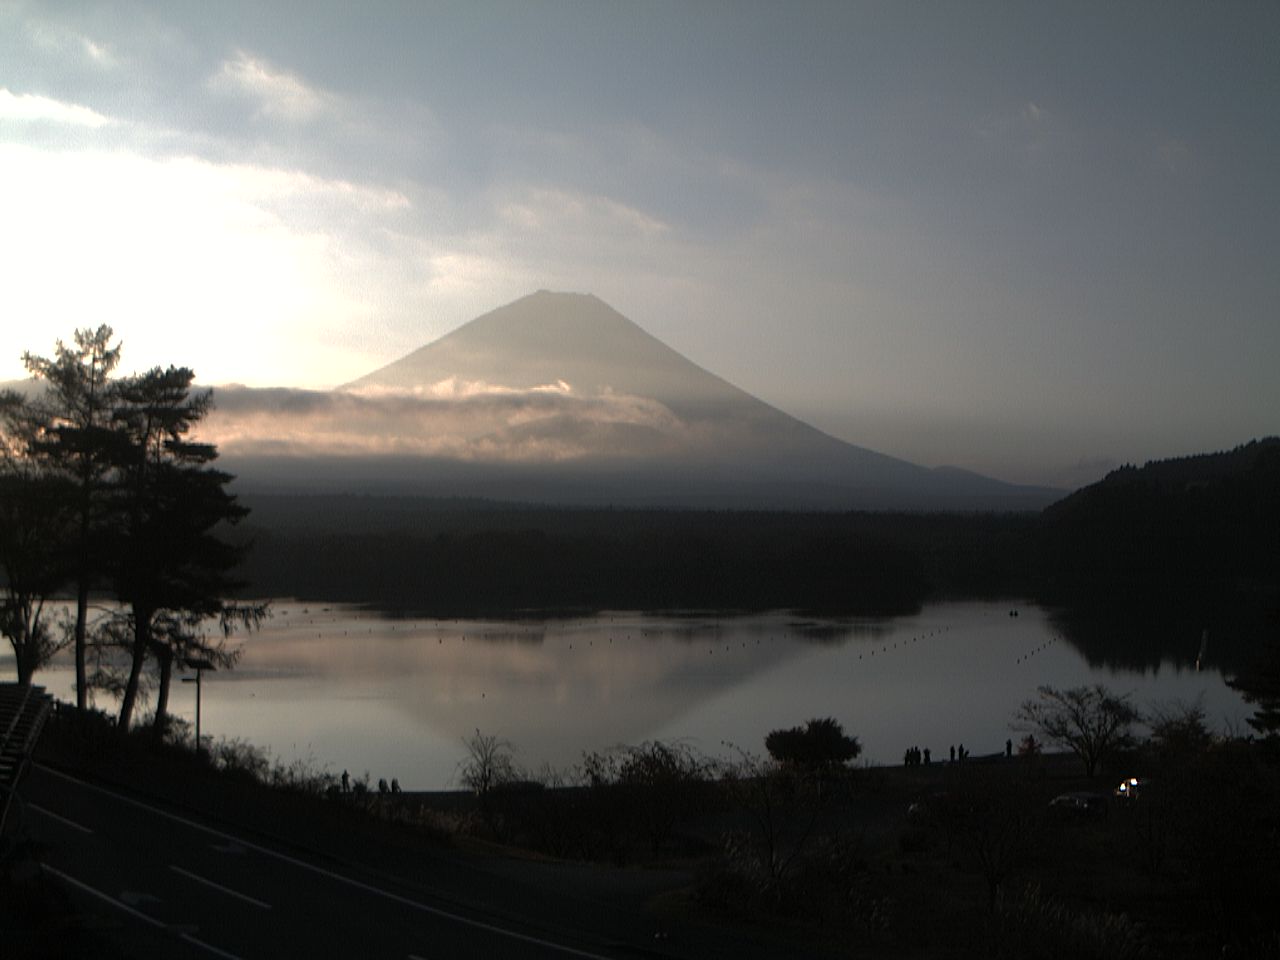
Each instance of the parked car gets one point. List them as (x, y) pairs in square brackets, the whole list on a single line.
[(1081, 804)]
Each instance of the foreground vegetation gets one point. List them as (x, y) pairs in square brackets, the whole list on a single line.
[(1019, 855), (973, 858)]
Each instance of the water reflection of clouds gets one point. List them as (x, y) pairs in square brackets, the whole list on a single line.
[(397, 695), (583, 684)]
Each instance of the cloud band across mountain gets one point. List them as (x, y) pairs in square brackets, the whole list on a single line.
[(473, 421)]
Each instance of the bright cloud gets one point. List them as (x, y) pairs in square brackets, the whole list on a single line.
[(470, 421), (454, 388), (98, 53), (61, 40), (28, 107), (226, 267), (562, 212), (278, 94), (576, 214)]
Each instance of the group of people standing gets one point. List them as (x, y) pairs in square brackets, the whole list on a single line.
[(361, 786), (914, 756)]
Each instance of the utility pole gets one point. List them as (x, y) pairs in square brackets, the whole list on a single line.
[(200, 666)]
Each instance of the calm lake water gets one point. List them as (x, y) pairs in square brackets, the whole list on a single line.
[(348, 689)]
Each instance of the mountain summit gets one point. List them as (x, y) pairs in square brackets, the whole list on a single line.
[(576, 340), (579, 346), (558, 397)]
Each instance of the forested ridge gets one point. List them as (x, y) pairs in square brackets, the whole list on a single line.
[(455, 558), (1205, 527), (1198, 529)]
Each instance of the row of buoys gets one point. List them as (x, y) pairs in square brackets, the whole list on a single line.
[(925, 636), (1040, 649)]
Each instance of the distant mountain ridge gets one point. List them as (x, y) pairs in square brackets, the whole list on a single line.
[(716, 437), (1258, 458)]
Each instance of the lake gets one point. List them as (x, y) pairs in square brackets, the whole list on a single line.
[(344, 688)]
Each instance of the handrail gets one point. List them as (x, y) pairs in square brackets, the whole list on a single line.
[(23, 750), (13, 724)]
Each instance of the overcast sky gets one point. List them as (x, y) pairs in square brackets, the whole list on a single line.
[(1034, 240)]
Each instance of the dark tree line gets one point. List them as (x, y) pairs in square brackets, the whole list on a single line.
[(1195, 533), (103, 488), (454, 558)]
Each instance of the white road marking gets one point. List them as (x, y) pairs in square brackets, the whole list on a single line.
[(138, 914), (61, 819), (217, 886), (349, 881), (136, 898)]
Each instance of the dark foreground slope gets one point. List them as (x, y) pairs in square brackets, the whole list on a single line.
[(950, 859)]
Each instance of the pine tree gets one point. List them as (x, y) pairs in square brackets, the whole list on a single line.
[(170, 568), (74, 440)]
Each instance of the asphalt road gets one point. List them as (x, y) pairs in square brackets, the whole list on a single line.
[(173, 886)]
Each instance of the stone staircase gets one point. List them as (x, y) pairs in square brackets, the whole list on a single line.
[(23, 711)]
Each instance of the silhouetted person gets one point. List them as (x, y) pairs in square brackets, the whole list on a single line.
[(962, 753), (382, 785), (953, 753), (395, 785), (1008, 748), (346, 782), (926, 756)]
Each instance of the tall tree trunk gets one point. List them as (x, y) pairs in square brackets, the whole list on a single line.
[(24, 659), (162, 694), (141, 642), (82, 615), (26, 654)]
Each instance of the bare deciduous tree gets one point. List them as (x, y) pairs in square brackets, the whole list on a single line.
[(1090, 721), (490, 762)]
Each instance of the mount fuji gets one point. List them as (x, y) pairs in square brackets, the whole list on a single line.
[(558, 398)]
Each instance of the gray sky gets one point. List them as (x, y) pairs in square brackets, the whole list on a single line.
[(1033, 240)]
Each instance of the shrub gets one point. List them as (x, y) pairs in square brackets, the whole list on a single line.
[(1032, 924), (818, 744)]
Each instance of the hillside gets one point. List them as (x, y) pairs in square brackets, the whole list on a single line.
[(1200, 528)]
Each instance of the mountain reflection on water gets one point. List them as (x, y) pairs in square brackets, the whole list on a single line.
[(348, 689)]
